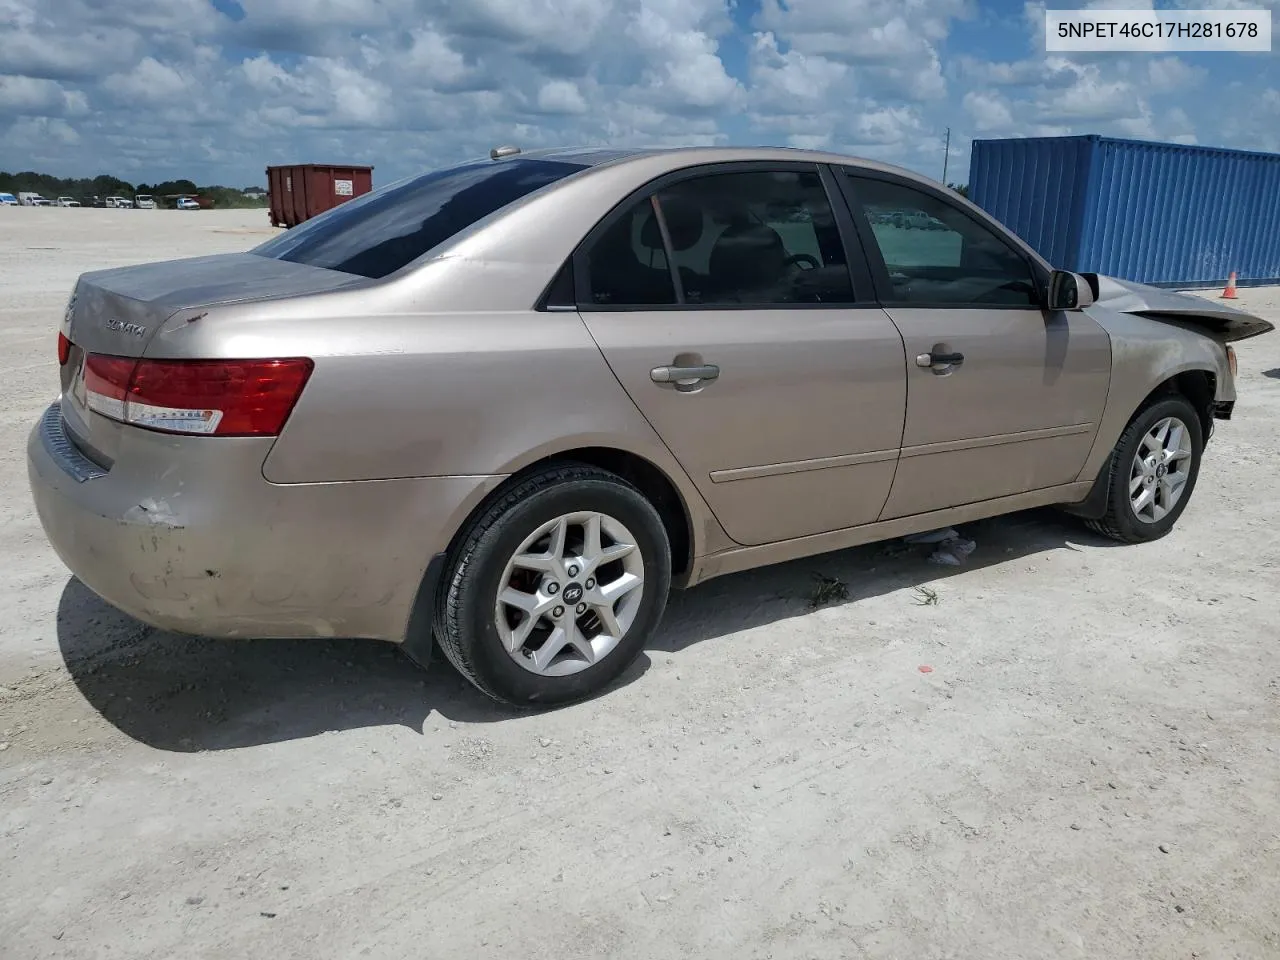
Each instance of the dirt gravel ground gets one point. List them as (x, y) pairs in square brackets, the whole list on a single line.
[(1091, 768)]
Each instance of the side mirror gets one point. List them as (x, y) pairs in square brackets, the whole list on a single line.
[(1068, 291)]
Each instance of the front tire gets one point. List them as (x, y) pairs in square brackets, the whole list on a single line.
[(1152, 472), (554, 588)]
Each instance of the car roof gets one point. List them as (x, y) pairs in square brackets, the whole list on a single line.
[(519, 232), (695, 155)]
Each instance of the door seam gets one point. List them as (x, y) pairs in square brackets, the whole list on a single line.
[(906, 407)]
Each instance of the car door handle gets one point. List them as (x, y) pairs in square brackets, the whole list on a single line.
[(704, 371), (939, 359)]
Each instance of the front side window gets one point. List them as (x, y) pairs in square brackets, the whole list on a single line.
[(377, 234), (937, 254), (758, 238)]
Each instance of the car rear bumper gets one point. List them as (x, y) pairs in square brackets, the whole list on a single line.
[(185, 534)]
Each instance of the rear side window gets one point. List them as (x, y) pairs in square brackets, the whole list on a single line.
[(377, 234), (758, 237), (628, 263)]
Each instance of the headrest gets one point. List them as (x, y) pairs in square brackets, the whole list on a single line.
[(684, 223), (750, 252)]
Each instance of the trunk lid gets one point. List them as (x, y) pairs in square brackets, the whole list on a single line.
[(119, 311), (1223, 322)]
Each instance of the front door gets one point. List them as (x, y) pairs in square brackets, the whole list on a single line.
[(1003, 397), (724, 304)]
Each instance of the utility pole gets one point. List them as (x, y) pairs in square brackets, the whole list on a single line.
[(946, 157)]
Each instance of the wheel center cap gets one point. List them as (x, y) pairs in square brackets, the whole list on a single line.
[(572, 593), (1161, 470)]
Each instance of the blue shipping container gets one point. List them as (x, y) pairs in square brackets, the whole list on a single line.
[(1161, 213)]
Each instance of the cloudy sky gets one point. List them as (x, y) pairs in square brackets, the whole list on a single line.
[(216, 89)]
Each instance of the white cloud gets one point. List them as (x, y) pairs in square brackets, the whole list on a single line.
[(535, 27), (786, 80), (433, 60), (1178, 127), (150, 82), (41, 133), (1091, 96), (1170, 74), (885, 127), (266, 76), (561, 96), (1227, 5), (682, 69), (894, 43), (989, 111), (32, 95), (174, 88)]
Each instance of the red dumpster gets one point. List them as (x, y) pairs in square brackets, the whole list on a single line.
[(300, 191)]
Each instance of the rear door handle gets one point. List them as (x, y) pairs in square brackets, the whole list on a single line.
[(939, 359), (704, 371)]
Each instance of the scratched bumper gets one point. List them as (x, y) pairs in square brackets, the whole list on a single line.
[(184, 533)]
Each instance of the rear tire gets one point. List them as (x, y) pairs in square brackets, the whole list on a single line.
[(521, 614), (1152, 471)]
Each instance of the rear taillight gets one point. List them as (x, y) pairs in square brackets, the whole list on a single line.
[(224, 398), (64, 349)]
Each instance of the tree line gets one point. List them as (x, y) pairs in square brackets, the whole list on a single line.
[(85, 188)]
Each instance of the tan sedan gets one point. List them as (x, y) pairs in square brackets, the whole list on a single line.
[(509, 403)]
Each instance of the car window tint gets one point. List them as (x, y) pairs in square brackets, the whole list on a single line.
[(380, 232), (627, 264), (760, 237), (937, 254)]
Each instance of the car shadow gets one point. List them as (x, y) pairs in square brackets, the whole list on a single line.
[(187, 694), (769, 594), (1273, 373)]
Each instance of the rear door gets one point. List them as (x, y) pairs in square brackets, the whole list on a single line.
[(1003, 397), (725, 302)]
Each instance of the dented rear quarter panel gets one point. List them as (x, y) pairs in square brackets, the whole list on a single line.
[(185, 534)]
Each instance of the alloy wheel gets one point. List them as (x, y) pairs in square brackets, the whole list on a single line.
[(570, 593), (1160, 468)]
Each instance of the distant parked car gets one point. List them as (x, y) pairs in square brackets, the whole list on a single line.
[(8, 200), (144, 201), (508, 403), (186, 203), (67, 202), (119, 202), (32, 200)]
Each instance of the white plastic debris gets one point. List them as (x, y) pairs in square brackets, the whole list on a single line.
[(953, 552)]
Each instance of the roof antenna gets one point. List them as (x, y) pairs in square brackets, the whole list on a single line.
[(497, 153)]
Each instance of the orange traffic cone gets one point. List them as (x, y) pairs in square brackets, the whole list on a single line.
[(1230, 292)]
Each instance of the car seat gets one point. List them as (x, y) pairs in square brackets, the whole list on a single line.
[(748, 263)]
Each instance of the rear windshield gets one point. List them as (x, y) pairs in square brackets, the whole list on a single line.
[(378, 233)]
